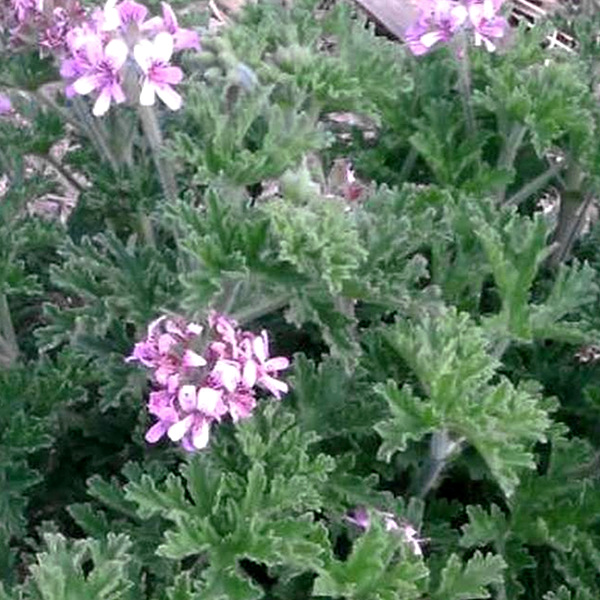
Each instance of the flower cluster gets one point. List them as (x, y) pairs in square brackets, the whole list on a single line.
[(360, 517), (42, 23), (201, 376), (439, 20), (120, 43)]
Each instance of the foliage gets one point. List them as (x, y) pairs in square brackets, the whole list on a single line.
[(382, 217)]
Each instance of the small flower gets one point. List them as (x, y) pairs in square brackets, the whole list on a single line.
[(438, 21), (182, 38), (5, 104), (360, 517), (103, 74), (261, 369), (153, 58), (486, 24)]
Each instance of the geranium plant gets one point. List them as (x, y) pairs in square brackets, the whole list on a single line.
[(290, 309)]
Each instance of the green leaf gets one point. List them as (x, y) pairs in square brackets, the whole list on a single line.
[(470, 581), (483, 527)]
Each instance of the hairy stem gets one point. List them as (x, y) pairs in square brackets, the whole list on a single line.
[(535, 185), (164, 167), (464, 85), (95, 133), (61, 171), (573, 205), (147, 229), (441, 449)]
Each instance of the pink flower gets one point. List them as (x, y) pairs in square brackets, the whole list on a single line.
[(197, 389), (122, 15), (5, 104), (437, 22), (260, 369), (103, 74), (182, 38), (153, 58), (486, 24)]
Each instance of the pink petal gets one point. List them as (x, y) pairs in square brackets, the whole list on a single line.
[(193, 359), (186, 38), (275, 386), (155, 432), (170, 75), (169, 17), (165, 342), (117, 93), (279, 363), (179, 429), (169, 96)]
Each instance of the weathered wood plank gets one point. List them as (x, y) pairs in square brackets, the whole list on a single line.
[(393, 15)]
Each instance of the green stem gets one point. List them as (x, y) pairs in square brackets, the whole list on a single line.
[(535, 185), (147, 229), (464, 84), (155, 141), (10, 345)]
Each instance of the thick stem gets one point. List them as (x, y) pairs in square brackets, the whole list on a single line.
[(535, 185), (61, 171), (10, 346), (464, 84), (147, 229), (155, 141), (572, 202), (95, 133)]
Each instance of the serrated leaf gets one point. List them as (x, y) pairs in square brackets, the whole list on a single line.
[(470, 581)]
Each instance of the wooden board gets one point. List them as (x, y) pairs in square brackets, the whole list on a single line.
[(393, 15)]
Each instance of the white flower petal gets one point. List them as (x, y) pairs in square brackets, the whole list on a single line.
[(116, 50), (147, 95), (86, 84), (179, 429), (169, 96), (102, 103), (142, 52), (208, 400), (163, 46), (200, 435)]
